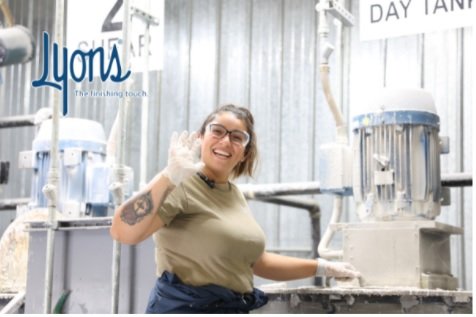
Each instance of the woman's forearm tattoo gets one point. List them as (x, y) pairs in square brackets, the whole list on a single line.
[(136, 209)]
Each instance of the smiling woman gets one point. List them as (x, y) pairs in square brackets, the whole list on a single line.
[(208, 245), (234, 155)]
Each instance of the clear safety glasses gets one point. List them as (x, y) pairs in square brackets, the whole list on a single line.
[(236, 136)]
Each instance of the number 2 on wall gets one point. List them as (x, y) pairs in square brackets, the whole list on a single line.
[(108, 25)]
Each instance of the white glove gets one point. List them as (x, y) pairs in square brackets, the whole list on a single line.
[(184, 158), (336, 269)]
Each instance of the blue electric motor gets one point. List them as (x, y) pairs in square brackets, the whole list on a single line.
[(84, 174)]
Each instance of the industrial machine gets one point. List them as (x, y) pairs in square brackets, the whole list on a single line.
[(396, 184), (398, 194), (84, 174), (393, 172)]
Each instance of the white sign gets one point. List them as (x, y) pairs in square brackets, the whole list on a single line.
[(387, 18), (93, 24)]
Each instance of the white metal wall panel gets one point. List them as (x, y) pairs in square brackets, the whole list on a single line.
[(204, 46), (174, 99), (405, 51), (265, 103), (298, 69), (234, 52)]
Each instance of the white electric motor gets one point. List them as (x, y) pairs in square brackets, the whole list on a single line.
[(396, 157)]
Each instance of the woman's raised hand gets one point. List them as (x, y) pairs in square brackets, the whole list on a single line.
[(184, 157)]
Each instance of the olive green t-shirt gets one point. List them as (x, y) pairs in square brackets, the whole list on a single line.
[(209, 237)]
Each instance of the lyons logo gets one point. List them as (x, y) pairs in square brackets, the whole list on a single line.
[(60, 77)]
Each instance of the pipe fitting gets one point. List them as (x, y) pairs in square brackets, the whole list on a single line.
[(327, 50), (117, 191), (50, 192)]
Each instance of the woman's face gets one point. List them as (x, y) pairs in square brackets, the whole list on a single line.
[(222, 154)]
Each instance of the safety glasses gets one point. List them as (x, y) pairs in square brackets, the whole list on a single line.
[(236, 136)]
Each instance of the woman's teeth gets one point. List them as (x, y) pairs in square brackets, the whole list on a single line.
[(222, 153)]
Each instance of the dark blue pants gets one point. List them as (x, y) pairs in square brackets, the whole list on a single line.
[(170, 295)]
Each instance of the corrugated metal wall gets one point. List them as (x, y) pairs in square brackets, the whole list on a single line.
[(263, 54), (18, 98)]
